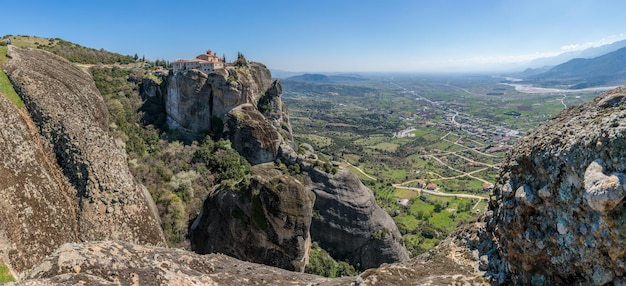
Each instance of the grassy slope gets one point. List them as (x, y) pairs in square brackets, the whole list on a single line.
[(6, 88), (5, 276)]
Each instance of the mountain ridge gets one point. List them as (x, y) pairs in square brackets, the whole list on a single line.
[(608, 69)]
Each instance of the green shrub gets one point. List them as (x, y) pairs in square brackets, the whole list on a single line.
[(321, 263)]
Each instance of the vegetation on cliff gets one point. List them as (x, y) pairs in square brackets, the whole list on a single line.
[(321, 263), (5, 276), (177, 175)]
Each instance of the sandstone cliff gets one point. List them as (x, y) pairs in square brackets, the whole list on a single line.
[(558, 211), (93, 196), (266, 220)]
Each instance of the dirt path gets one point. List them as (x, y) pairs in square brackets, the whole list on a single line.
[(360, 170), (457, 170)]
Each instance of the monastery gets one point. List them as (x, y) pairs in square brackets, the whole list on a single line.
[(206, 63)]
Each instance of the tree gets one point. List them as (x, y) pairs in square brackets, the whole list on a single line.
[(438, 208), (241, 60), (136, 57)]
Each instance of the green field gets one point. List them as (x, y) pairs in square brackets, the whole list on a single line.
[(456, 120)]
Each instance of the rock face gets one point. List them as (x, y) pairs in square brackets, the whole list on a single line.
[(558, 211), (36, 201), (272, 107), (196, 103), (266, 222), (350, 224), (252, 135), (91, 264), (347, 221), (72, 119)]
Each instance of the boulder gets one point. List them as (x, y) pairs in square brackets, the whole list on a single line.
[(264, 220), (252, 135), (452, 262), (565, 222)]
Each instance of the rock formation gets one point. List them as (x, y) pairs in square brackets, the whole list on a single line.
[(195, 101), (252, 135), (455, 261), (85, 189), (350, 223), (266, 220), (557, 209)]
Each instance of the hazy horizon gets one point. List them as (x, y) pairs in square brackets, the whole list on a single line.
[(331, 36)]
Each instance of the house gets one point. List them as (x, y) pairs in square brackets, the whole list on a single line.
[(206, 63), (431, 186), (487, 186)]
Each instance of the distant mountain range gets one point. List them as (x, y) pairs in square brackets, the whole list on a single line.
[(607, 69), (322, 78), (585, 54)]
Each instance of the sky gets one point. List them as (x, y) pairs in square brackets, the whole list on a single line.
[(329, 35)]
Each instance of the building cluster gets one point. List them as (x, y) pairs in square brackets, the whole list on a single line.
[(206, 63)]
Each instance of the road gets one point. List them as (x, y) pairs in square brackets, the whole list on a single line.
[(563, 98), (471, 149), (457, 170), (438, 193)]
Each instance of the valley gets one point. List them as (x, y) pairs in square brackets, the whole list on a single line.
[(429, 146)]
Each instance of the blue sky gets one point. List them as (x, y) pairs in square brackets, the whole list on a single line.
[(329, 35)]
